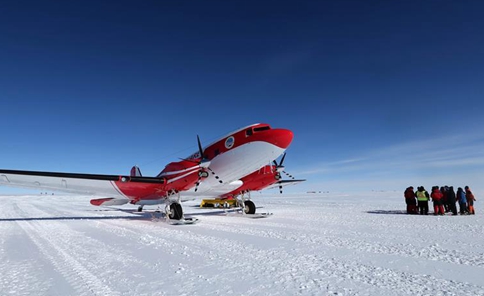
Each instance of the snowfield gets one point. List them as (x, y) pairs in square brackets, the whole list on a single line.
[(313, 244)]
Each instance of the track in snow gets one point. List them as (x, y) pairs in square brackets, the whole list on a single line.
[(312, 245)]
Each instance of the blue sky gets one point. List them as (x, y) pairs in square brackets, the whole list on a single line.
[(380, 94)]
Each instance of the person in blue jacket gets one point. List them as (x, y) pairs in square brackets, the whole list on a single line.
[(461, 198)]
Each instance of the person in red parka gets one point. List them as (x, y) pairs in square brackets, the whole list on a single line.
[(410, 200), (437, 198), (470, 201)]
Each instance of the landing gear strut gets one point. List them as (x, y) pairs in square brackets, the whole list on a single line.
[(248, 207), (174, 209), (175, 212)]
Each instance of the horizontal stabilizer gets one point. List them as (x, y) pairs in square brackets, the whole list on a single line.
[(285, 183), (109, 201)]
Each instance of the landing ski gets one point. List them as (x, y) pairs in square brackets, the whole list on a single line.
[(250, 216), (186, 221), (257, 215)]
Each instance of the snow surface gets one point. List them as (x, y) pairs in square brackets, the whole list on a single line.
[(314, 244)]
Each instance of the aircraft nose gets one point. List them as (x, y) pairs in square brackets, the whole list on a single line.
[(281, 137)]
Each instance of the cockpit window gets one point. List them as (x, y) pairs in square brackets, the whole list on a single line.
[(262, 128), (248, 132)]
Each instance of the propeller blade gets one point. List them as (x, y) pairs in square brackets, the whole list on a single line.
[(289, 175), (196, 184), (200, 149), (282, 159), (204, 164), (215, 175)]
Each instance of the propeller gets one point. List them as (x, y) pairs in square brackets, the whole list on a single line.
[(204, 164), (279, 169)]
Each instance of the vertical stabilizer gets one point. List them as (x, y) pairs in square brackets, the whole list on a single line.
[(135, 172)]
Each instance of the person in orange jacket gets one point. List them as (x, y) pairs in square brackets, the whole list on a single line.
[(437, 198), (470, 201)]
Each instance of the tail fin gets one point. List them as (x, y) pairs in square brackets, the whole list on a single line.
[(135, 172)]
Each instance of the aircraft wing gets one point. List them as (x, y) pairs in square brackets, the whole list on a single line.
[(90, 184)]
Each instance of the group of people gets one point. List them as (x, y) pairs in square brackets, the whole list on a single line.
[(444, 200)]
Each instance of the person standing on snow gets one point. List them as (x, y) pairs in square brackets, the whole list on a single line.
[(410, 200), (423, 200), (461, 198), (444, 190), (451, 200), (470, 201), (437, 198)]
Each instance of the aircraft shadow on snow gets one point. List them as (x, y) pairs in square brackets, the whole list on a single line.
[(217, 211), (387, 212), (136, 216), (146, 215)]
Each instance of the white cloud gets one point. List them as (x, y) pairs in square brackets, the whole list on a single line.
[(435, 161)]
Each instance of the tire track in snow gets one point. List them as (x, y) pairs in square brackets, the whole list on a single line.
[(294, 272), (248, 228), (241, 262), (20, 272), (320, 231), (380, 278), (385, 227), (111, 264), (228, 259), (153, 277), (395, 282), (52, 245), (321, 236)]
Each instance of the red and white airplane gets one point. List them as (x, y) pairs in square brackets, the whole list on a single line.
[(228, 168)]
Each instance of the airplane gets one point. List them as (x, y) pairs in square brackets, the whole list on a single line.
[(229, 167)]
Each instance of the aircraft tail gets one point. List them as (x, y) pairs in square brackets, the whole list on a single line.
[(135, 172)]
